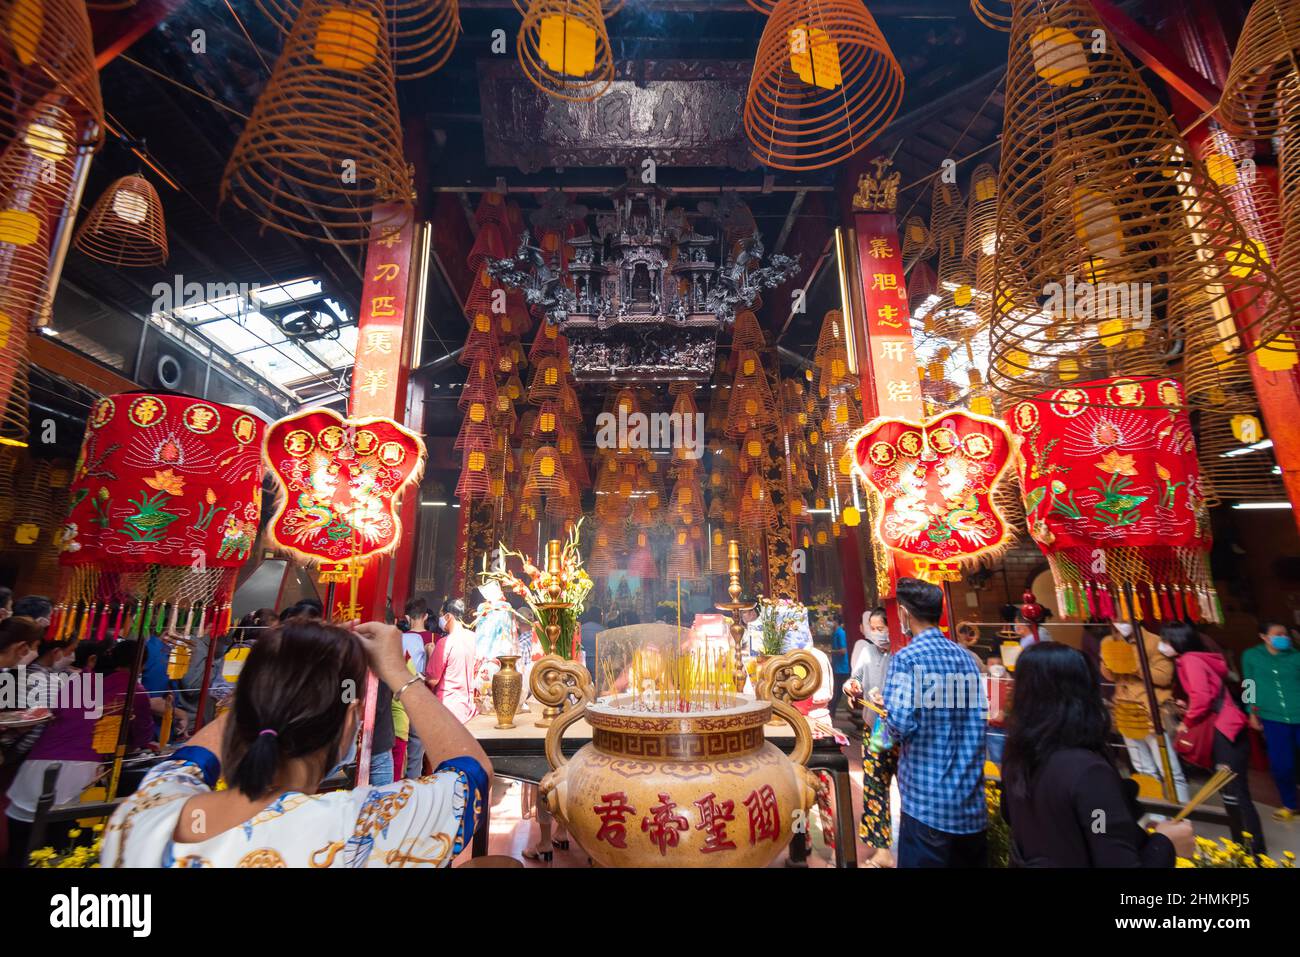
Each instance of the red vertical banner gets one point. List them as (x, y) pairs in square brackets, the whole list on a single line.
[(384, 350), (887, 365), (890, 359)]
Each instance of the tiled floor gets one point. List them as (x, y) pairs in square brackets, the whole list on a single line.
[(512, 832)]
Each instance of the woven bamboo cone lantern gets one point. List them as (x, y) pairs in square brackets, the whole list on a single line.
[(330, 106), (48, 58), (1096, 185), (421, 33), (125, 227), (825, 84), (564, 50)]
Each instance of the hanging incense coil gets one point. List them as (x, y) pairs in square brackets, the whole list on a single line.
[(746, 333), (1261, 98), (1267, 55), (917, 241), (421, 33), (321, 155), (994, 14), (48, 60), (1097, 186), (751, 405), (546, 474), (981, 234), (1230, 473), (125, 227), (764, 7), (824, 85), (475, 480), (564, 50), (955, 279)]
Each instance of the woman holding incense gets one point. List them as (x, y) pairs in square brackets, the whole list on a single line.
[(879, 758), (1211, 696), (1065, 802), (288, 727)]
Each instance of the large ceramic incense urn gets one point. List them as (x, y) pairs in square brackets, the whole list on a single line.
[(697, 788)]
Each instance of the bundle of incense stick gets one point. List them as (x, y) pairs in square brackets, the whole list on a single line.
[(1218, 781)]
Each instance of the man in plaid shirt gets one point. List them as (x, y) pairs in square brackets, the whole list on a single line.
[(937, 711)]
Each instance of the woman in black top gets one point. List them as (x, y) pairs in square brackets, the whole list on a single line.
[(1065, 802)]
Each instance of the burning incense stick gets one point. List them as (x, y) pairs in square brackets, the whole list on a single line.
[(1218, 781)]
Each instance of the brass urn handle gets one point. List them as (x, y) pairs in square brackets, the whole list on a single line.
[(552, 680), (783, 679)]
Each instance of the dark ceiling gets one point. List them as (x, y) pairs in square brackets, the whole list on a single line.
[(184, 110)]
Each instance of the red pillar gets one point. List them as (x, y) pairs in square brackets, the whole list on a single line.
[(881, 324)]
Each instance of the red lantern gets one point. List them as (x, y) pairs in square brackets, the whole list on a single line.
[(339, 480), (934, 483), (1113, 497)]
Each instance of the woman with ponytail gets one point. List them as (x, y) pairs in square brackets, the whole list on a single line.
[(297, 708)]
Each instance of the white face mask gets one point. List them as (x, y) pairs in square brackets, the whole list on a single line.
[(1124, 628), (1167, 650), (879, 638)]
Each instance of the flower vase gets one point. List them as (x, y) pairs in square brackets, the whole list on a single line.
[(507, 686)]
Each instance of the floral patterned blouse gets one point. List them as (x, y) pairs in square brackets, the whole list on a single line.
[(422, 822)]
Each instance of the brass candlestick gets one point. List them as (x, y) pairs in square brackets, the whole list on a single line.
[(553, 589), (735, 607)]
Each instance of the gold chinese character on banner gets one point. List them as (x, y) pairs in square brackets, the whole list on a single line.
[(382, 307), (884, 281), (385, 272), (888, 316), (899, 390), (390, 236), (880, 248), (893, 349), (379, 340), (373, 381)]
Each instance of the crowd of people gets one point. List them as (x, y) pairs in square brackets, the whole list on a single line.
[(934, 713), (79, 734)]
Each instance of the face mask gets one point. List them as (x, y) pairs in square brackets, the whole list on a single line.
[(1167, 650), (879, 638), (998, 671), (1124, 628), (347, 758), (1280, 642)]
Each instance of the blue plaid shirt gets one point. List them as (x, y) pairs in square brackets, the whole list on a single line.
[(938, 711)]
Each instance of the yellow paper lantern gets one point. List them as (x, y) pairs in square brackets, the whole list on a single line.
[(347, 39), (1059, 56)]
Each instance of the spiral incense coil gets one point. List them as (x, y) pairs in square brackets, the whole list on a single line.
[(825, 84), (1099, 195), (955, 279), (564, 50), (917, 242), (1235, 477), (1267, 54), (327, 116), (48, 59), (764, 7), (125, 226), (746, 333), (994, 14), (421, 33)]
